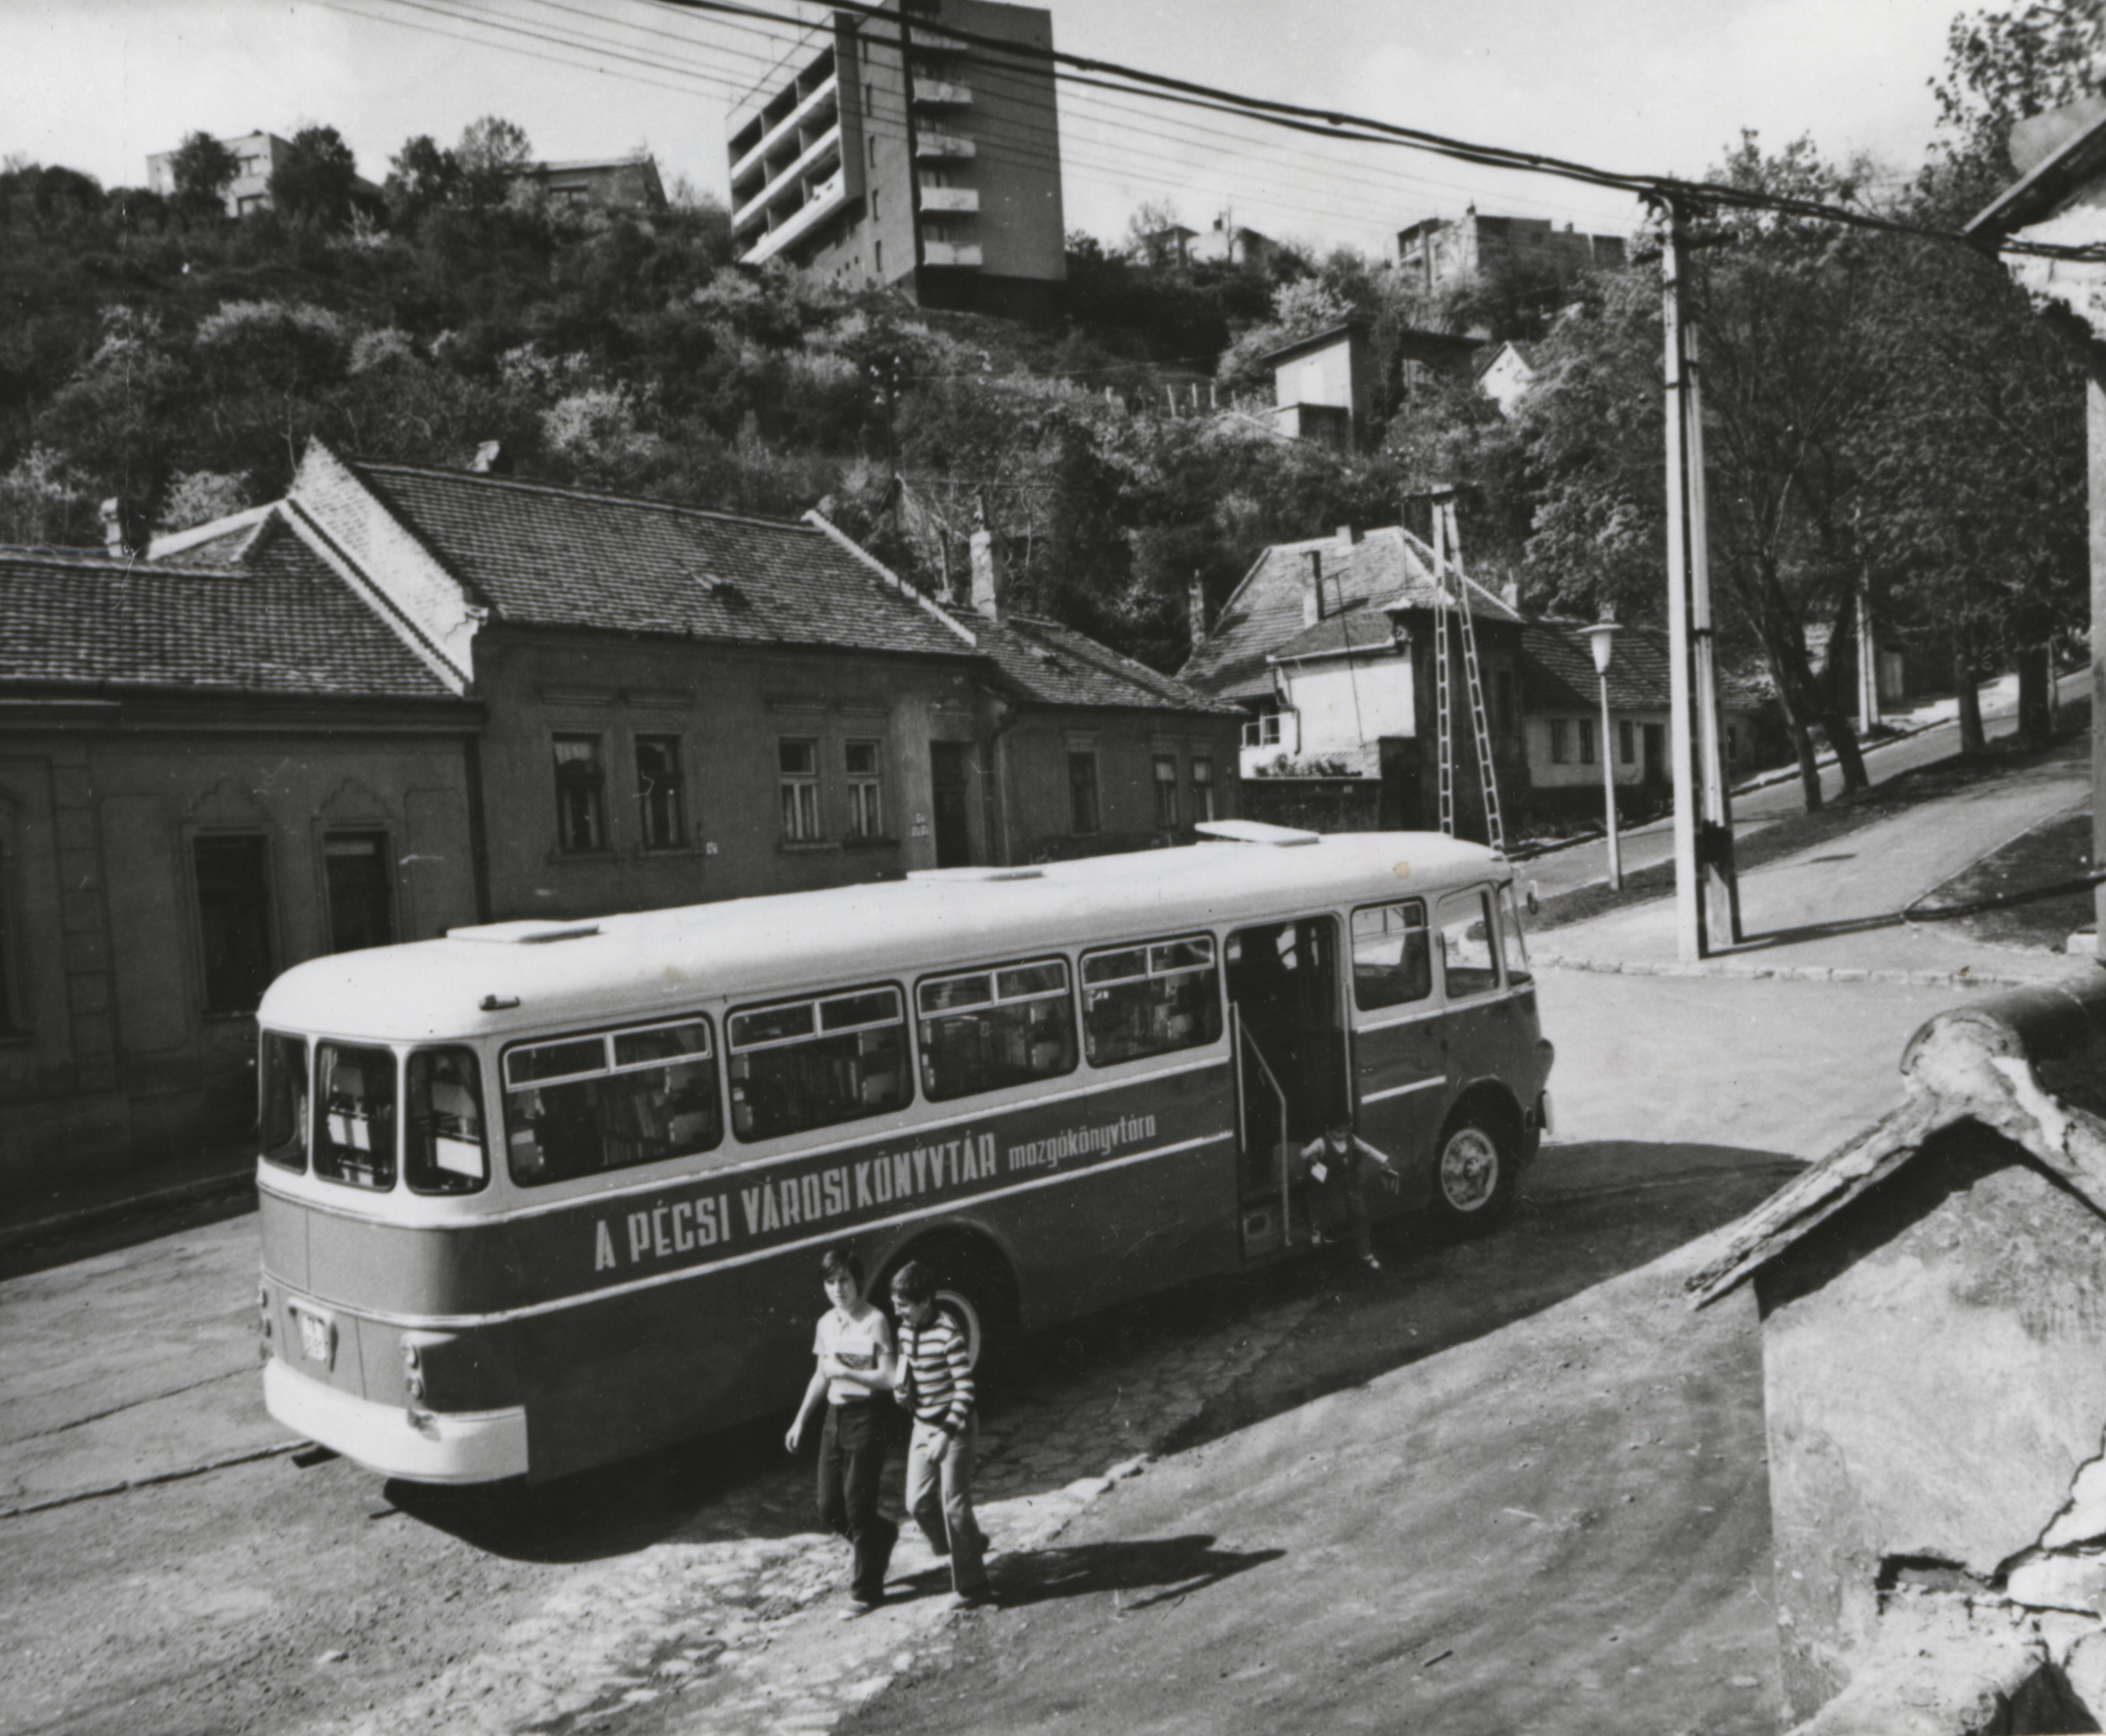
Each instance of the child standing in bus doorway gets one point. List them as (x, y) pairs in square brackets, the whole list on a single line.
[(1337, 1163), (935, 1383), (854, 1339)]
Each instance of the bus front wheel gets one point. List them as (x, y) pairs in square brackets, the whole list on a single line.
[(1473, 1178)]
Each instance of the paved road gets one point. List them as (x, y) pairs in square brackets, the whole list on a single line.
[(1583, 864)]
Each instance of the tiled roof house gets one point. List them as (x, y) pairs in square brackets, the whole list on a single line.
[(1093, 751), (207, 772), (1328, 645), (687, 704)]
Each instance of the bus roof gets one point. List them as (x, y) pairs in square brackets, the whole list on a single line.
[(541, 974)]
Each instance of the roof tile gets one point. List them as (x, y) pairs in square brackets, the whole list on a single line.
[(281, 624), (559, 557)]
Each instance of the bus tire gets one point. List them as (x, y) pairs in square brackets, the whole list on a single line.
[(974, 1287), (1473, 1174)]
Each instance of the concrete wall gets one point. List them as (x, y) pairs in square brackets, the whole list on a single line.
[(1934, 1368), (115, 1056)]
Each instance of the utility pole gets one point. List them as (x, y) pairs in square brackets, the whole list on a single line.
[(1721, 904), (1706, 897)]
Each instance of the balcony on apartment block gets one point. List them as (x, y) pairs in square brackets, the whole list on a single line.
[(950, 200), (950, 253), (939, 145), (941, 93)]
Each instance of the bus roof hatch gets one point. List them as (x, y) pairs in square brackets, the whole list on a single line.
[(1257, 832)]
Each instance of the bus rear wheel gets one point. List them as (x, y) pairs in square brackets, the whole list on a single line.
[(974, 1287), (1473, 1177)]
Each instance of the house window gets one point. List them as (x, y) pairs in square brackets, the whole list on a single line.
[(357, 868), (1732, 742), (873, 152), (1586, 741), (866, 791), (873, 205), (1627, 741), (799, 761), (1561, 742), (661, 818), (1166, 791), (1503, 705), (234, 919), (1263, 731), (581, 810), (1203, 788), (1083, 791), (877, 256)]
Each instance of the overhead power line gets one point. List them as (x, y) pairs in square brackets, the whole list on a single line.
[(1339, 123)]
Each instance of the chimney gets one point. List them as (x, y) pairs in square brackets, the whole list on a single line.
[(127, 525), (1346, 540), (1312, 591), (990, 576), (491, 459), (112, 525), (1195, 611)]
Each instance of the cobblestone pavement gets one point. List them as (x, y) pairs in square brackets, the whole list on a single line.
[(741, 1622)]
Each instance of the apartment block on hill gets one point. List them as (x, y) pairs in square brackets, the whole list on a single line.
[(1448, 253), (911, 147)]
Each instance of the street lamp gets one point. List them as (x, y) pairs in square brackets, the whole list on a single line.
[(1601, 637)]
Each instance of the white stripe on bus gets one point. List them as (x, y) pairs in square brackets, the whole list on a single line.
[(1421, 1085), (450, 1322)]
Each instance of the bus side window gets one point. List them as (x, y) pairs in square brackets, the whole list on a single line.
[(987, 1029), (611, 1101), (1392, 965), (1150, 999), (805, 1064), (1468, 938), (446, 1153)]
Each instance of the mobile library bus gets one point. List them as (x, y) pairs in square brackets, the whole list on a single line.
[(542, 1194)]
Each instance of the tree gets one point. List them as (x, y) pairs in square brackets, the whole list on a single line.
[(314, 180), (200, 171), (1786, 377), (422, 174), (491, 152)]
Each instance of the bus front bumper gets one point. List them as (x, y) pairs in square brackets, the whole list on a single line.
[(483, 1447)]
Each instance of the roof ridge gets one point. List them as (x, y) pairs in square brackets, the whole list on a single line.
[(444, 472)]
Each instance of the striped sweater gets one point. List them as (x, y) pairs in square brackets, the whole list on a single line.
[(939, 1372)]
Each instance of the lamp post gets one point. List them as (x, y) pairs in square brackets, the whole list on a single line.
[(1601, 639)]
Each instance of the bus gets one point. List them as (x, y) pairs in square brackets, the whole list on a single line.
[(540, 1194)]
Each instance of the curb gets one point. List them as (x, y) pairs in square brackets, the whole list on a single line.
[(112, 1211), (1734, 969)]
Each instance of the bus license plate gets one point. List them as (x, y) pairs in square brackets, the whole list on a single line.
[(317, 1340)]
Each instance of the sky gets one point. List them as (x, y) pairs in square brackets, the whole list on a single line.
[(1650, 87)]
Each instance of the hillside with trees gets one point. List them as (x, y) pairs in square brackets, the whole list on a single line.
[(1881, 410)]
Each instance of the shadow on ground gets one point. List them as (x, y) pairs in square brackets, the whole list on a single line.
[(1586, 1213)]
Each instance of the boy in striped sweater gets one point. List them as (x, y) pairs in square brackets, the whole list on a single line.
[(935, 1382)]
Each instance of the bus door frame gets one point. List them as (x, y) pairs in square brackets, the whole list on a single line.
[(1401, 1075), (1486, 1033), (1295, 1077)]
